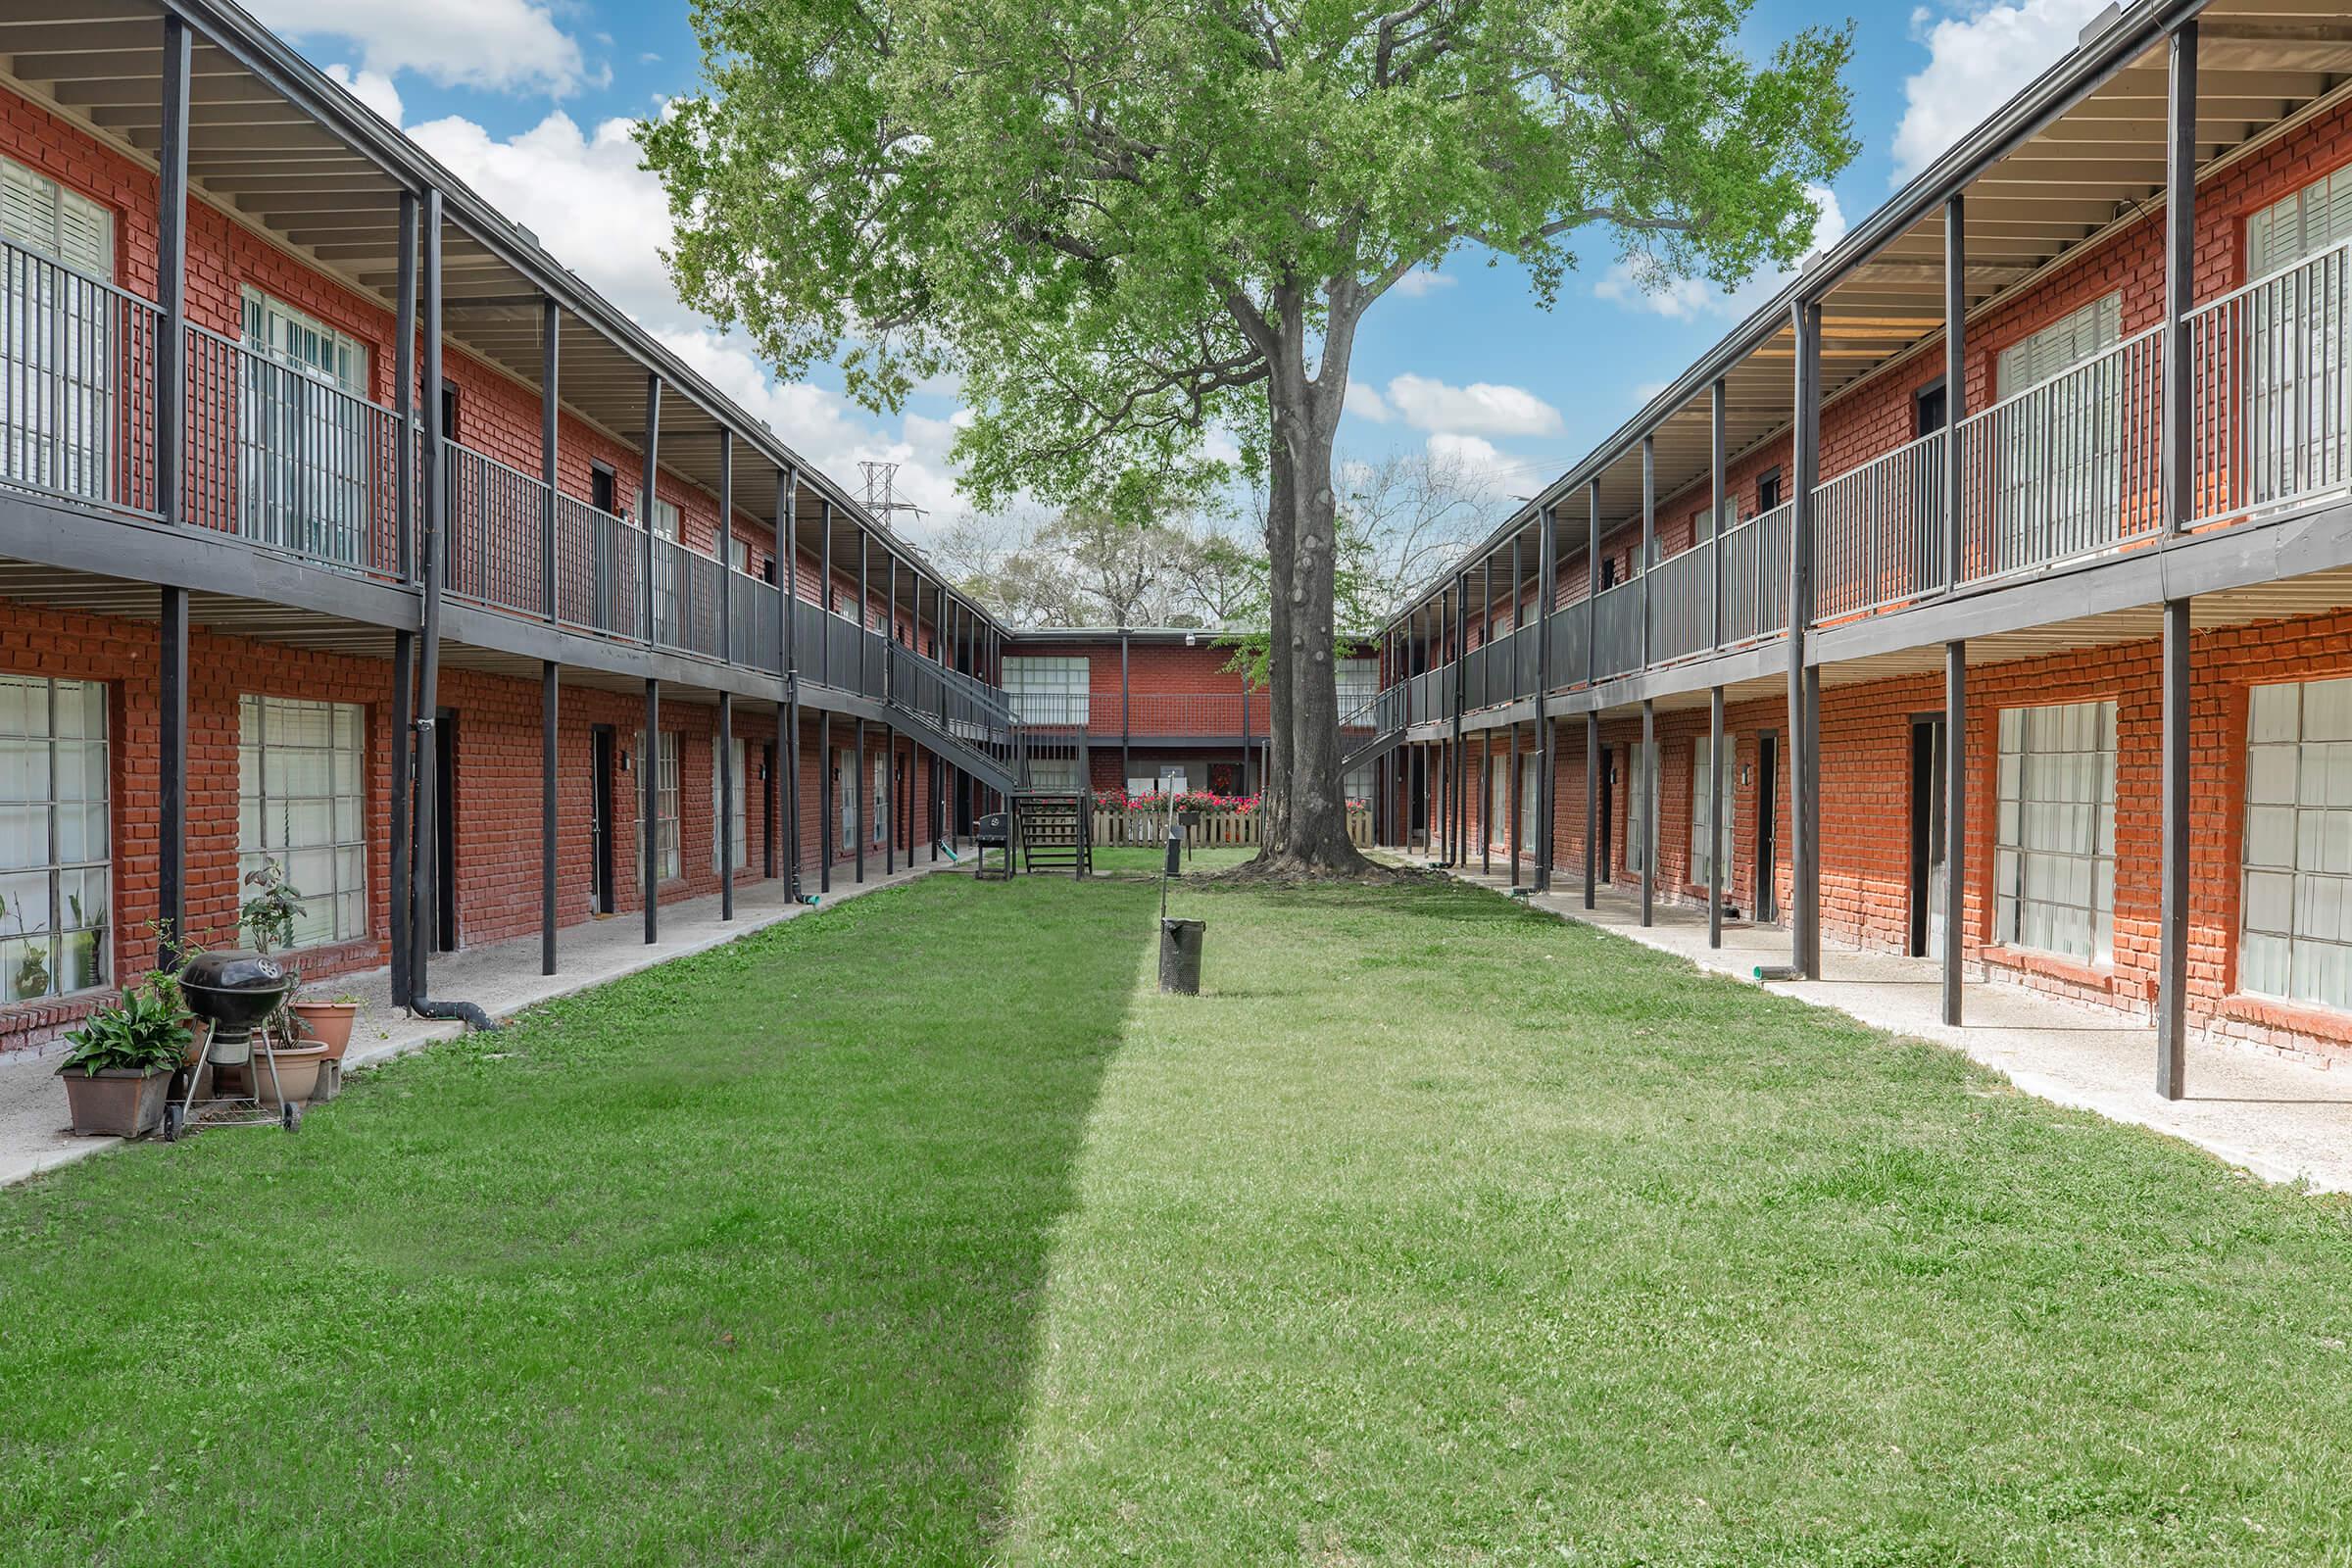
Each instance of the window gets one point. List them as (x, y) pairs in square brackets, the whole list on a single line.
[(667, 626), (53, 837), (2295, 352), (2058, 480), (57, 366), (742, 817), (1768, 489), (601, 489), (1529, 799), (878, 822), (844, 798), (1702, 838), (2297, 937), (306, 469), (2053, 885), (1359, 683), (665, 803), (302, 801), (1047, 689), (1056, 774), (1639, 814)]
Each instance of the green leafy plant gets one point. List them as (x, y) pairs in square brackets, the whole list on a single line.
[(269, 914), (146, 1032)]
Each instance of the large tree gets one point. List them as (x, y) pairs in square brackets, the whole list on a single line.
[(1128, 224)]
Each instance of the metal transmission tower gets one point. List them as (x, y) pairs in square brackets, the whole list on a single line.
[(881, 498)]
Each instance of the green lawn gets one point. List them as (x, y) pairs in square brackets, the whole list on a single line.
[(924, 1231)]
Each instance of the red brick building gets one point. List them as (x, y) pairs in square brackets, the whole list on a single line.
[(293, 424), (2059, 430), (1151, 708)]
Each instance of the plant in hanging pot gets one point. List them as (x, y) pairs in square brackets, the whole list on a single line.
[(269, 917), (118, 1073)]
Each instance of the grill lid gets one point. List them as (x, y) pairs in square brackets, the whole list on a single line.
[(234, 969)]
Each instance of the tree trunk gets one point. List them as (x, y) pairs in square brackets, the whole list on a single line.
[(1305, 832)]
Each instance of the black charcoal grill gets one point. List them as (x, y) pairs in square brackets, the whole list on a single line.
[(236, 992)]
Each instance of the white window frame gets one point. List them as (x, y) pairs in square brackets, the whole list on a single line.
[(2298, 423), (302, 801), (2058, 480), (2295, 903), (877, 826), (1640, 811), (2053, 886), (1052, 689), (739, 761), (56, 837), (665, 759), (1702, 849), (56, 360), (306, 469)]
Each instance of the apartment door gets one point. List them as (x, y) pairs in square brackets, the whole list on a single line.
[(445, 830), (600, 823), (1608, 813), (1927, 495), (845, 797), (1928, 839), (1768, 828)]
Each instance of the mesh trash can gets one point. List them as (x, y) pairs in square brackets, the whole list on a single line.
[(1180, 956)]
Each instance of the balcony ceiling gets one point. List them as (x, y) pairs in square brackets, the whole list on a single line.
[(2261, 64), (258, 155)]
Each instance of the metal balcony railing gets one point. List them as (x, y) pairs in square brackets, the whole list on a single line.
[(2271, 399), (77, 385), (1878, 532), (282, 458)]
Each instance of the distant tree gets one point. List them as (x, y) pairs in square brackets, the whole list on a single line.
[(1128, 225)]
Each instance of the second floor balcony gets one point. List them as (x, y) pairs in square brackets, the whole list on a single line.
[(280, 454), (2062, 473)]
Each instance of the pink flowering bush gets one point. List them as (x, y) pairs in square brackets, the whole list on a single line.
[(1188, 801)]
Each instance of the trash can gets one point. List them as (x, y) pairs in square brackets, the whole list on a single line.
[(1180, 956)]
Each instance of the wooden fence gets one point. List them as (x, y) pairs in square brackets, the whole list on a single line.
[(1202, 829)]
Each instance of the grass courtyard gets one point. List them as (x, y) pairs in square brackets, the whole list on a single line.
[(926, 1232)]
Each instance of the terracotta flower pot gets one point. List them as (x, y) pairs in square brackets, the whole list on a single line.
[(298, 1072), (114, 1103), (328, 1024)]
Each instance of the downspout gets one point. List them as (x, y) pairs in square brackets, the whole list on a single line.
[(424, 875)]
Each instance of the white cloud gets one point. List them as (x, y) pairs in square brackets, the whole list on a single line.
[(583, 194), (1977, 61), (1687, 298), (1649, 389), (499, 45), (1422, 281), (1482, 407), (1366, 403), (1478, 462), (371, 87), (832, 433), (593, 209)]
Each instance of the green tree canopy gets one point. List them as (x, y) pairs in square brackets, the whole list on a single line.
[(1124, 225)]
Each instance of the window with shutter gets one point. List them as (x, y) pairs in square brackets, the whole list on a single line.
[(57, 331), (2059, 453), (2295, 354), (306, 478)]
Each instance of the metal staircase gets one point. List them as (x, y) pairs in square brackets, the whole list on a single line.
[(1371, 731), (1054, 830), (963, 719)]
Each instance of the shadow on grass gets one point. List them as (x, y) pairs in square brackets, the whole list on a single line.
[(738, 1259)]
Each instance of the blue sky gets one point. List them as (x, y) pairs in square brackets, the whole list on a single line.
[(525, 100)]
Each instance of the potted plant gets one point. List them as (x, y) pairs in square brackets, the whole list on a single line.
[(118, 1073), (327, 1021), (268, 917)]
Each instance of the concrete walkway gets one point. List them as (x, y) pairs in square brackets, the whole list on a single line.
[(2281, 1121), (500, 978)]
